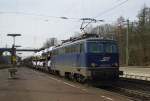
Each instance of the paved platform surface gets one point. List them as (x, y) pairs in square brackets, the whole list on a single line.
[(141, 71), (37, 86), (3, 66)]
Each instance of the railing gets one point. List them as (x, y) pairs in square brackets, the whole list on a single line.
[(146, 78)]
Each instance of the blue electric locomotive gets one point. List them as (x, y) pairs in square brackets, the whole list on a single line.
[(86, 59)]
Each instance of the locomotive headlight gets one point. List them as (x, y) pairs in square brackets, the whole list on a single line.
[(93, 64)]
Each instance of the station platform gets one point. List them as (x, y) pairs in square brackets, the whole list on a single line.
[(136, 70), (3, 66), (32, 85)]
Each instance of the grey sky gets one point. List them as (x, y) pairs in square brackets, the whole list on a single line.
[(36, 29)]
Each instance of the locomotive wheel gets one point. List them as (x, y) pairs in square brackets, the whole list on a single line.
[(71, 76), (81, 78)]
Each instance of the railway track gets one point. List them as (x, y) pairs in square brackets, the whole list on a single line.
[(137, 90), (135, 95)]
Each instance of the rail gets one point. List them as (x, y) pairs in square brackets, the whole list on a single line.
[(136, 95), (146, 78)]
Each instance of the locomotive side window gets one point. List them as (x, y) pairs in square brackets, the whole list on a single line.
[(81, 48), (74, 48)]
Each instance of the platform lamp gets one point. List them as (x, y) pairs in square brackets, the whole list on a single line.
[(13, 56)]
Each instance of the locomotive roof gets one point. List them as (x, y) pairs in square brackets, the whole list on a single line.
[(83, 40), (71, 43)]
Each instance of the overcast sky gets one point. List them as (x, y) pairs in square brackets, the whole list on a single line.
[(37, 20)]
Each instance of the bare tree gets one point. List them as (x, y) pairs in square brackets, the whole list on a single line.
[(144, 34), (50, 42)]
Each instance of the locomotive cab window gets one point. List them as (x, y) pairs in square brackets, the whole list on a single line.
[(101, 47), (95, 47), (110, 48)]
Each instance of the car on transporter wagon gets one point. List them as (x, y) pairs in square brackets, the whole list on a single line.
[(86, 58)]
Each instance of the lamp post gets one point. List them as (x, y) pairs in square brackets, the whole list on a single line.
[(17, 46), (13, 70), (13, 47), (14, 36), (127, 42)]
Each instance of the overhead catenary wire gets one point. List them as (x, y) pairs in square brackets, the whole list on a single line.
[(45, 16), (40, 15), (110, 9), (67, 18)]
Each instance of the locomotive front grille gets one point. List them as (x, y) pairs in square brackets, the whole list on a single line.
[(102, 74)]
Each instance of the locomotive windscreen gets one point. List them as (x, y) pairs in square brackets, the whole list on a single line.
[(102, 47)]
